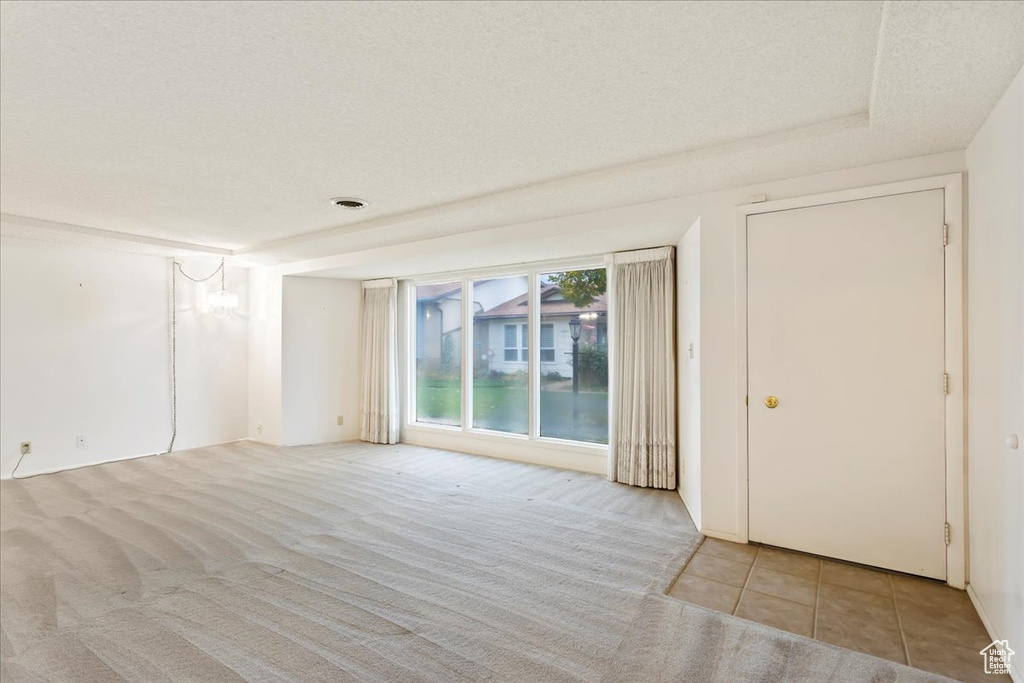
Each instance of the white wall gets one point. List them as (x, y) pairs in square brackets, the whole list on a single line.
[(320, 360), (265, 288), (84, 344), (995, 361), (688, 358)]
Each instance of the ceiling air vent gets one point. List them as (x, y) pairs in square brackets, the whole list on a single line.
[(348, 203)]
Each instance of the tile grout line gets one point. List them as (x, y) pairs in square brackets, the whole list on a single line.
[(817, 599), (899, 621), (746, 581)]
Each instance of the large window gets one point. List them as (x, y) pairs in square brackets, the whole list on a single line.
[(501, 355), (574, 373), (531, 358), (438, 324)]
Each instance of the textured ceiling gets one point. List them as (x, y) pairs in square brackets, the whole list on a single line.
[(232, 124)]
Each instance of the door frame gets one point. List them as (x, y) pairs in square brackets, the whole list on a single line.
[(956, 503)]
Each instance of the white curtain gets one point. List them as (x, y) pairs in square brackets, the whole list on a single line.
[(643, 423), (379, 417)]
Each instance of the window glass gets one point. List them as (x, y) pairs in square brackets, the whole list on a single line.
[(500, 355), (438, 326), (574, 355), (547, 344), (511, 350)]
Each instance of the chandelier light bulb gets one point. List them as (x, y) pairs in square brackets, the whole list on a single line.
[(223, 304)]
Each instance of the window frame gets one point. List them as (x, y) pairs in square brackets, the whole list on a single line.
[(533, 273)]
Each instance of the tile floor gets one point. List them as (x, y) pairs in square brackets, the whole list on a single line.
[(910, 620)]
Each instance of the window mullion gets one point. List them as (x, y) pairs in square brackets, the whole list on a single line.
[(533, 369), (467, 354), (408, 300)]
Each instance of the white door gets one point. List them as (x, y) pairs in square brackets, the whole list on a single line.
[(845, 328)]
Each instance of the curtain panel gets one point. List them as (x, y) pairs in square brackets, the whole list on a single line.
[(642, 445), (379, 418)]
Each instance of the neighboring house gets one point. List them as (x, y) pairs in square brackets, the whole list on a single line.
[(439, 317), (502, 334), (438, 323)]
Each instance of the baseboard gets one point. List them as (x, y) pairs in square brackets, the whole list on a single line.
[(693, 518), (1015, 671), (55, 470), (262, 442), (347, 439), (723, 535)]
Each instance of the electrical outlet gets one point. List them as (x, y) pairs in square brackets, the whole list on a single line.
[(80, 441), (341, 420), (259, 429), (26, 447)]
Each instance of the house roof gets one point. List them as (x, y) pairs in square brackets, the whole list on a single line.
[(431, 292), (549, 305)]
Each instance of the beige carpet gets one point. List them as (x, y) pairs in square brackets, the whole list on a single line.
[(366, 563)]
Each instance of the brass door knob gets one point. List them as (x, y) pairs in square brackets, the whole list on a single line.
[(771, 402)]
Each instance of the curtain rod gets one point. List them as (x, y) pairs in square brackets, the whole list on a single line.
[(503, 267), (525, 264)]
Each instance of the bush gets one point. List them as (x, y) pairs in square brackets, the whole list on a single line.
[(507, 379), (516, 379), (594, 366)]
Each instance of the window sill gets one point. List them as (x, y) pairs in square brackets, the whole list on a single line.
[(431, 425), (595, 448), (571, 455), (495, 434)]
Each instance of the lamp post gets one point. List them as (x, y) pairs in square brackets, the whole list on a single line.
[(574, 332)]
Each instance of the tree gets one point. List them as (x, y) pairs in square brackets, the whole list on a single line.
[(447, 353), (581, 287)]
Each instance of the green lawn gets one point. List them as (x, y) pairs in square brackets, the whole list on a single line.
[(503, 407)]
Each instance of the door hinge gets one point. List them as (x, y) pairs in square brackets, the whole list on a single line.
[(947, 533), (746, 400), (945, 234), (945, 383)]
